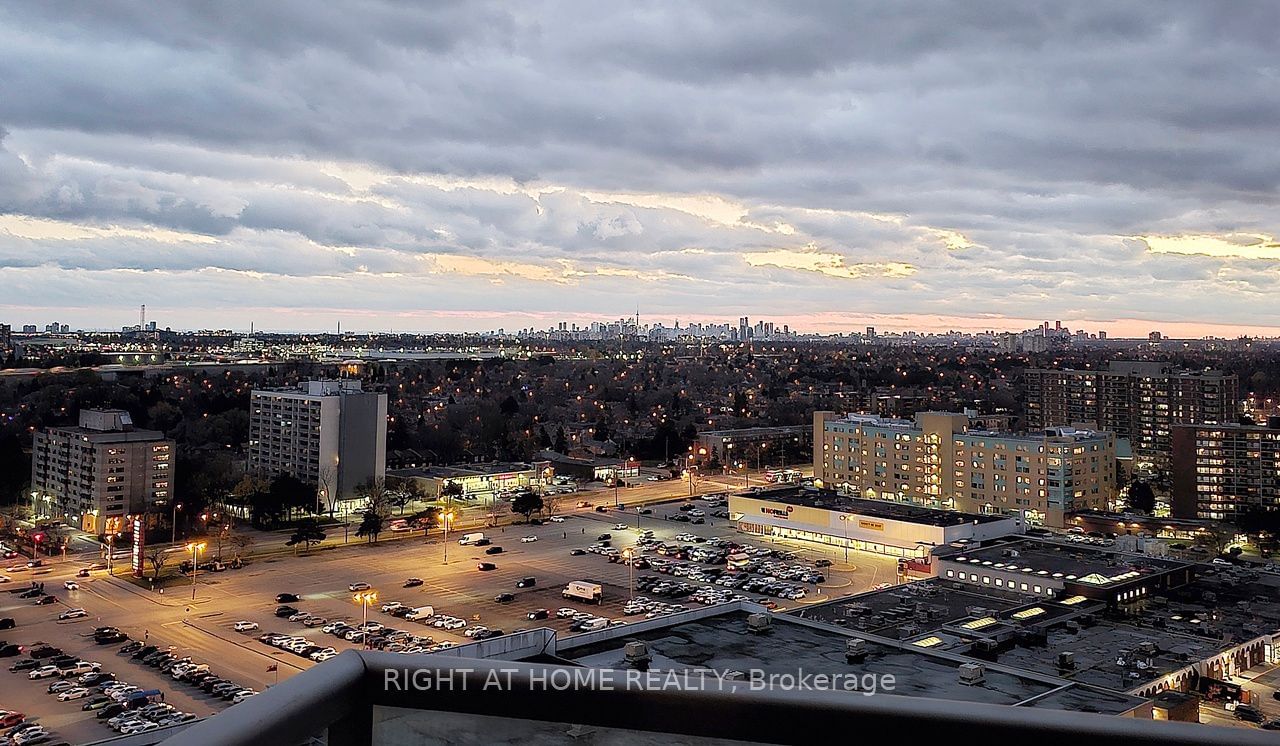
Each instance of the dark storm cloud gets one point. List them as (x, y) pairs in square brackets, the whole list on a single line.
[(980, 157)]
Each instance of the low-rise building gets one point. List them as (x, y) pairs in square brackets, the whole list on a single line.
[(483, 480), (895, 529)]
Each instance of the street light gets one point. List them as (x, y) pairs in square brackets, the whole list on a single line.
[(173, 523), (445, 520), (844, 519), (195, 550), (366, 599), (629, 554)]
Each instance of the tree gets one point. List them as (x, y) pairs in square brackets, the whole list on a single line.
[(308, 533), (287, 493), (509, 407), (327, 488), (242, 543), (1215, 538), (1142, 497), (551, 503), (376, 498), (451, 490), (157, 557), (561, 445), (370, 524), (526, 504), (425, 519)]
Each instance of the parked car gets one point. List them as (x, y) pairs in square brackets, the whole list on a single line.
[(538, 614), (486, 566), (361, 586), (493, 550), (73, 614), (528, 539), (413, 582), (287, 598), (245, 626), (526, 582), (504, 598)]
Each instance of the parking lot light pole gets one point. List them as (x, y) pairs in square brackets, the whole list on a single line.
[(446, 519), (173, 523), (366, 599), (629, 555), (844, 519), (195, 565)]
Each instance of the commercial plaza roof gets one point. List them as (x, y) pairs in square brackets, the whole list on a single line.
[(458, 471), (724, 643), (830, 500), (1064, 561)]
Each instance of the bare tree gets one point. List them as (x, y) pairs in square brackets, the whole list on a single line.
[(327, 482), (551, 503), (157, 558)]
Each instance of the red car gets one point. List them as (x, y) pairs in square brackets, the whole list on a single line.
[(11, 719)]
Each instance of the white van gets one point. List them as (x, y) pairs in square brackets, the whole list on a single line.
[(420, 613), (469, 539)]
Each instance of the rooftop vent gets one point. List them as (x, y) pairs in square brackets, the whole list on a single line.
[(1066, 660), (637, 652), (855, 650), (759, 623), (1148, 647), (972, 674)]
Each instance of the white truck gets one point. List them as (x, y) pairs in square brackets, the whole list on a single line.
[(420, 613), (582, 590), (469, 539)]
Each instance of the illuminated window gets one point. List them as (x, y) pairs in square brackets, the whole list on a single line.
[(928, 642)]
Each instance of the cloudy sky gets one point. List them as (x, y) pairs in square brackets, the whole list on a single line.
[(453, 165)]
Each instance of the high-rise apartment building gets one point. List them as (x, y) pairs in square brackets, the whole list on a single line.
[(1141, 401), (329, 433), (1220, 470), (96, 474), (937, 461)]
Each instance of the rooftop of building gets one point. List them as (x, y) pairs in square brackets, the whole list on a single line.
[(1075, 432), (1062, 561), (456, 471), (755, 431), (725, 643), (811, 497)]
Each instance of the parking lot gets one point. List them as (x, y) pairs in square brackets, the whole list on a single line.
[(204, 628)]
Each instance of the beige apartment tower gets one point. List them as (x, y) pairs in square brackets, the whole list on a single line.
[(937, 460)]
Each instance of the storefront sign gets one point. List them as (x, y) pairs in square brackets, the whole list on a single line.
[(870, 525), (137, 558), (778, 512)]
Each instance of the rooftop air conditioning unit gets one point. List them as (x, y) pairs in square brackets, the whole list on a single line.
[(1066, 660), (977, 612), (637, 652), (972, 674), (1147, 647), (910, 629), (855, 650), (759, 623)]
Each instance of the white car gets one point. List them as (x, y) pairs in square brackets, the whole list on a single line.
[(619, 527), (138, 726), (528, 539), (43, 672), (75, 692), (71, 585), (73, 614), (358, 587), (33, 735), (242, 696), (556, 519), (245, 626), (565, 613), (5, 578)]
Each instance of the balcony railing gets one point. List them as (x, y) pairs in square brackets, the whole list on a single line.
[(349, 700)]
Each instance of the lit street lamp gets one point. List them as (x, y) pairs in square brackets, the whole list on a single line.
[(195, 549), (366, 599), (445, 520), (629, 554), (844, 519), (173, 523)]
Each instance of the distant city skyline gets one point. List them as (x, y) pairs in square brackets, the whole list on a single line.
[(467, 167), (824, 324)]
